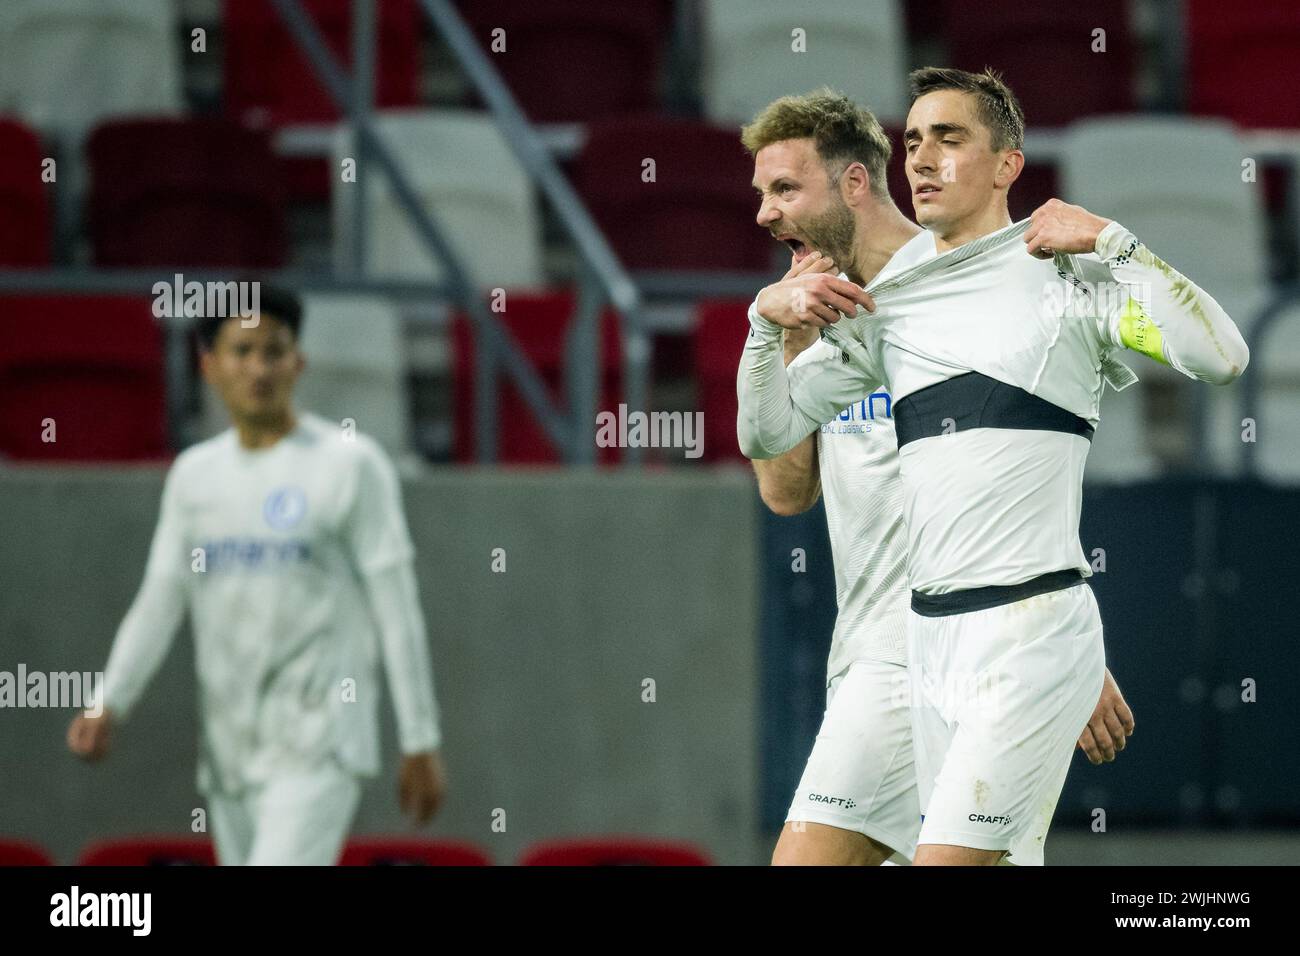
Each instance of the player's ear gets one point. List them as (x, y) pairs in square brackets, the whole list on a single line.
[(1013, 161), (855, 183)]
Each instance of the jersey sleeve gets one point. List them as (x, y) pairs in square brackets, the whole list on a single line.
[(375, 526), (381, 549), (1164, 315), (395, 604), (780, 407), (149, 628), (810, 361)]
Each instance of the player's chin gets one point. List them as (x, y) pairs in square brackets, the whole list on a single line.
[(928, 213), (264, 410)]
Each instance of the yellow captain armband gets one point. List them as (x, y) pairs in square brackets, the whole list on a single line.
[(1139, 333)]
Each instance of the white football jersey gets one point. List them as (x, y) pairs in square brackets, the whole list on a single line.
[(271, 552), (857, 457), (858, 460), (995, 362)]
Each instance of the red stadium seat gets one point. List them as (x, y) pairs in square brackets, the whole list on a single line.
[(25, 226), (22, 853), (538, 323), (614, 851), (150, 851), (94, 365), (573, 60), (717, 341), (1241, 61), (268, 82), (184, 193), (699, 211), (399, 851), (1044, 52)]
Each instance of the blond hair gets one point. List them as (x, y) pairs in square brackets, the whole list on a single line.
[(841, 131)]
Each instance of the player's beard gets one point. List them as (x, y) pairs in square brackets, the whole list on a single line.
[(833, 233)]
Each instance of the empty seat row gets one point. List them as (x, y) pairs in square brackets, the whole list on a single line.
[(566, 65), (66, 65), (209, 193), (668, 194), (166, 192), (378, 851), (94, 365)]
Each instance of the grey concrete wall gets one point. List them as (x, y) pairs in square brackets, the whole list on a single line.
[(610, 579)]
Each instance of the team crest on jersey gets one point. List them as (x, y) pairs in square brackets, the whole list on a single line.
[(285, 507)]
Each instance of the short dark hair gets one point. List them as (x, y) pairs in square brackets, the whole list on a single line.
[(274, 302), (997, 106)]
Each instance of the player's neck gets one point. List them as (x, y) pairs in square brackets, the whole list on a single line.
[(255, 434), (988, 220), (880, 235)]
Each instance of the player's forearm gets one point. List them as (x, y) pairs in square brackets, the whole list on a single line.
[(790, 484), (768, 422), (142, 642), (394, 600), (1169, 317)]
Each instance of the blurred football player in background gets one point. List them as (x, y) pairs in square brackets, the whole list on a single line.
[(285, 540)]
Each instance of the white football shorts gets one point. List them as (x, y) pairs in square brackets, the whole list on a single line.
[(300, 817), (1001, 696), (860, 775)]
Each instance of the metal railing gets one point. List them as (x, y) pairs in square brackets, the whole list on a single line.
[(496, 348), (1284, 297), (603, 278)]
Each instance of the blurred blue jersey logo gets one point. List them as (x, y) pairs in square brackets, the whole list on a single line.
[(862, 416), (285, 507)]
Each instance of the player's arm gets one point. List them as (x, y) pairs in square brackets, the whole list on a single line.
[(145, 634), (778, 411), (381, 550), (394, 600), (1163, 315), (791, 483)]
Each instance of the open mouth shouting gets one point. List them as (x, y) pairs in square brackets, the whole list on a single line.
[(800, 248)]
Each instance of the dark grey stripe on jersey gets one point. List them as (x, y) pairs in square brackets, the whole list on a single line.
[(974, 400), (995, 595)]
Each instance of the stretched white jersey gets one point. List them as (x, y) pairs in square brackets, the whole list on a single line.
[(291, 560), (857, 458), (995, 362)]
